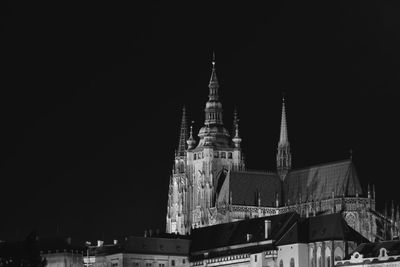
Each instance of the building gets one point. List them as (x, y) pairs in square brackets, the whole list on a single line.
[(60, 252), (280, 240), (210, 184), (386, 253), (34, 251), (141, 252)]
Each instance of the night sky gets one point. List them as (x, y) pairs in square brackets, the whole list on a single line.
[(92, 93)]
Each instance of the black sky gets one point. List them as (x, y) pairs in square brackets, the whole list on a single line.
[(91, 96)]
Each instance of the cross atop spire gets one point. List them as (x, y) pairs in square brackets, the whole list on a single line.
[(183, 136)]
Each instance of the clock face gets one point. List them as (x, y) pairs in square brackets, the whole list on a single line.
[(351, 219)]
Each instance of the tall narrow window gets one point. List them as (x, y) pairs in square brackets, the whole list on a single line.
[(291, 262), (281, 263)]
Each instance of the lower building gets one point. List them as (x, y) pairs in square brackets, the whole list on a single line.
[(141, 252), (285, 240)]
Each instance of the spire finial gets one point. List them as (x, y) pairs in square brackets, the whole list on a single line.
[(236, 139), (213, 59)]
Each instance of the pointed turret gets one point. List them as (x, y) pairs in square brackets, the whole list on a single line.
[(283, 157), (183, 136), (191, 141)]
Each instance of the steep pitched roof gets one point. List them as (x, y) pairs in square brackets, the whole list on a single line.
[(247, 186), (231, 238), (318, 182), (319, 228)]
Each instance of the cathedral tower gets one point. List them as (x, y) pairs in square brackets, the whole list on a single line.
[(283, 157), (194, 190)]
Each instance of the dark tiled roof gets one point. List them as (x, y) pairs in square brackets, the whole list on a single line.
[(319, 228), (247, 186), (146, 245), (219, 236), (318, 182), (154, 245), (308, 184)]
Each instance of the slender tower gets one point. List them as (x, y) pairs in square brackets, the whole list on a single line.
[(283, 157)]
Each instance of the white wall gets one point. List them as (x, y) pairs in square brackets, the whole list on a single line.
[(299, 252)]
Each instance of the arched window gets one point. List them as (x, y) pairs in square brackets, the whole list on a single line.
[(338, 254), (281, 263), (194, 155), (291, 262), (319, 260), (223, 155), (327, 257)]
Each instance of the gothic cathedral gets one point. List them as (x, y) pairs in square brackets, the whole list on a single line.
[(210, 184)]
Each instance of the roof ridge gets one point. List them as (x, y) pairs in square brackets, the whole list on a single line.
[(323, 164), (255, 171)]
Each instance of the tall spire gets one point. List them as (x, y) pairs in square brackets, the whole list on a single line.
[(213, 85), (213, 106), (283, 157), (183, 136), (283, 138)]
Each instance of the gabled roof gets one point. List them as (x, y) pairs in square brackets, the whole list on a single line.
[(319, 182), (319, 228), (231, 238)]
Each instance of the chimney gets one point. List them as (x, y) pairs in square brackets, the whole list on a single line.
[(248, 237), (100, 243), (267, 224)]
